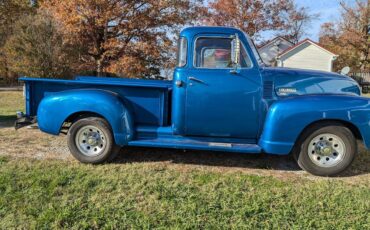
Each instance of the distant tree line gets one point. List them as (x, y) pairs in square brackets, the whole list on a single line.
[(125, 38)]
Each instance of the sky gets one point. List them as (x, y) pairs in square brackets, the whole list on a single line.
[(329, 10)]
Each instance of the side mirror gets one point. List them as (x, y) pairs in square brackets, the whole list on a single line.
[(345, 70), (235, 54)]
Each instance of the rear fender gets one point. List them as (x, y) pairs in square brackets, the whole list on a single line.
[(287, 118), (55, 108)]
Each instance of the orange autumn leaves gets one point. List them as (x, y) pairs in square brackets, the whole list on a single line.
[(127, 37), (349, 37)]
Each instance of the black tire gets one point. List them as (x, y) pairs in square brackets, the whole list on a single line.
[(301, 150), (108, 152)]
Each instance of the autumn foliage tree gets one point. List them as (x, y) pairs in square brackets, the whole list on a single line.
[(295, 21), (349, 37), (36, 48), (125, 36), (10, 12)]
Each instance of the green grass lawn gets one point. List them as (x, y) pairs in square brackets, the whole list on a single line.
[(54, 194), (48, 194), (10, 103)]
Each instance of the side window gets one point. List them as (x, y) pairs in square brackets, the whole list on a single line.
[(215, 53)]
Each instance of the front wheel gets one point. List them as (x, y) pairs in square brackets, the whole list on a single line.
[(326, 149), (90, 140)]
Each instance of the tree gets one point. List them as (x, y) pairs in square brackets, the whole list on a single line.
[(257, 16), (36, 48), (122, 35), (295, 22), (349, 37), (10, 12)]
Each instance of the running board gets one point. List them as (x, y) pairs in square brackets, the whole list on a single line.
[(188, 143)]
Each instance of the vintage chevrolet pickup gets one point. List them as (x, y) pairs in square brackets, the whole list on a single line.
[(222, 97)]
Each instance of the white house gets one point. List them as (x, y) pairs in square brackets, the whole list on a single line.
[(307, 55), (273, 48)]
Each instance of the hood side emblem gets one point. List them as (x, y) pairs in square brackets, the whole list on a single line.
[(285, 91)]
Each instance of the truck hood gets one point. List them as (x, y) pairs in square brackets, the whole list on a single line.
[(289, 82)]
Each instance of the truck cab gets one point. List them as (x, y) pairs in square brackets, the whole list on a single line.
[(207, 78), (222, 98)]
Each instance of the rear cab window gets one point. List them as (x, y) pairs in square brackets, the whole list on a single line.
[(182, 49)]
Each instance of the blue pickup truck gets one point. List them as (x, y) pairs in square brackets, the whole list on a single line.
[(222, 98)]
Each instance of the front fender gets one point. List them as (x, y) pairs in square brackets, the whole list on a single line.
[(55, 108), (288, 117)]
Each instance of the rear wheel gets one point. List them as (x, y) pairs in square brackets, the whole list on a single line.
[(90, 140), (326, 149)]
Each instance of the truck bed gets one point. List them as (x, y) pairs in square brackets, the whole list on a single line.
[(149, 99)]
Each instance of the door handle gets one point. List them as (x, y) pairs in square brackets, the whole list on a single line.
[(196, 79)]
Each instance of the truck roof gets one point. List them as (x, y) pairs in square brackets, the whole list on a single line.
[(191, 31)]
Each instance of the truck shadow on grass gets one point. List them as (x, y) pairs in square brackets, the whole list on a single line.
[(360, 165), (207, 158), (7, 121)]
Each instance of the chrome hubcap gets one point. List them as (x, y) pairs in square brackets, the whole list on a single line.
[(90, 140), (326, 150)]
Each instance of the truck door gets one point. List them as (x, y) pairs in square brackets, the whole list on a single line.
[(218, 102)]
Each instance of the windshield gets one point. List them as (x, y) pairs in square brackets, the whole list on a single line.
[(255, 51)]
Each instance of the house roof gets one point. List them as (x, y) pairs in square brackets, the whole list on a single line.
[(303, 42), (273, 40)]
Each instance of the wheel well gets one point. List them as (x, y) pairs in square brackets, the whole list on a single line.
[(327, 122), (75, 117)]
